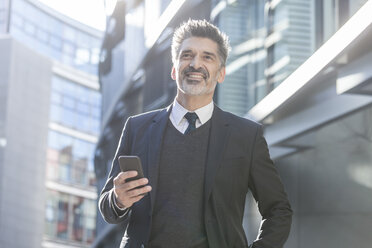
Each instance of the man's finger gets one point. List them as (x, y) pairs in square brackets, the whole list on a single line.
[(123, 176), (136, 183), (141, 191)]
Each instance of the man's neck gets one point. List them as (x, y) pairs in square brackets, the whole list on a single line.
[(192, 103)]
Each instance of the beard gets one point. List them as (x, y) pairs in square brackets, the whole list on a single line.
[(196, 87)]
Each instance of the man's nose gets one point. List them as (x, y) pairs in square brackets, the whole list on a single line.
[(196, 63)]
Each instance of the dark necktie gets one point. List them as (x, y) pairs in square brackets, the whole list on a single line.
[(191, 117)]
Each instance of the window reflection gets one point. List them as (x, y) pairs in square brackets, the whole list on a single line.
[(29, 28), (82, 56), (69, 33), (62, 218), (69, 217), (68, 49), (78, 219), (94, 58), (53, 37), (42, 35), (2, 19), (75, 106), (70, 160)]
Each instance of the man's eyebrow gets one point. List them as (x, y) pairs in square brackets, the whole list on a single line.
[(210, 54), (204, 52), (186, 51)]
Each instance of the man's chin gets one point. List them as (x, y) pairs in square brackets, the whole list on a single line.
[(192, 91)]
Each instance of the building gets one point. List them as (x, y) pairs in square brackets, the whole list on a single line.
[(23, 143), (50, 122), (269, 40), (298, 66), (318, 127)]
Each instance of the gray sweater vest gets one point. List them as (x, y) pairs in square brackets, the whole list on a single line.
[(178, 219)]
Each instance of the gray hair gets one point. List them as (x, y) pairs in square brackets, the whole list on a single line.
[(204, 29)]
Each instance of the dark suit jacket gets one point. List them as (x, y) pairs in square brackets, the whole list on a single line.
[(237, 161)]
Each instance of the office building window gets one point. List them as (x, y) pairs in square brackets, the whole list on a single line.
[(75, 106), (69, 217), (53, 37), (3, 5), (57, 215), (69, 34), (70, 160), (30, 28), (244, 23)]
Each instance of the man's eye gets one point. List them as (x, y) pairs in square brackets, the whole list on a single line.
[(208, 57), (186, 55)]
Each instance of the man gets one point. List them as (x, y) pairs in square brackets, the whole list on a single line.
[(199, 162)]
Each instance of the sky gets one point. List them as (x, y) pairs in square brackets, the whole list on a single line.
[(89, 12)]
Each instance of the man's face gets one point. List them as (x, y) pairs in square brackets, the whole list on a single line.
[(198, 67)]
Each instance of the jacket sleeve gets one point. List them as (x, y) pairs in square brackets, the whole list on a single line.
[(268, 191), (106, 204)]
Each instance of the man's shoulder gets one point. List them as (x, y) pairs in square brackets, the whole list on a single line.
[(148, 116)]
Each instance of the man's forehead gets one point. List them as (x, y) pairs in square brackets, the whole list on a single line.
[(200, 44)]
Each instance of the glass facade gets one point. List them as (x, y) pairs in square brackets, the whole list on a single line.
[(3, 15), (75, 116), (244, 85), (269, 40), (70, 160), (75, 106), (70, 217), (53, 37)]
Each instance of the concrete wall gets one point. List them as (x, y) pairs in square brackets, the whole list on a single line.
[(329, 187), (25, 84)]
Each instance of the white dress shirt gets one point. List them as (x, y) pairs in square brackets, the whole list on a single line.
[(177, 115)]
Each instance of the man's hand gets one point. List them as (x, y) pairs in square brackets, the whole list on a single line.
[(125, 192)]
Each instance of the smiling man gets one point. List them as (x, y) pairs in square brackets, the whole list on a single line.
[(199, 162)]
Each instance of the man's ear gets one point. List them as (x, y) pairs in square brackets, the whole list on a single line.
[(173, 73), (221, 75)]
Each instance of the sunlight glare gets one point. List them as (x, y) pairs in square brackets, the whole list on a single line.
[(88, 12), (110, 6), (361, 174)]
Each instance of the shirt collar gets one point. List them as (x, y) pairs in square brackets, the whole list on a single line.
[(204, 113)]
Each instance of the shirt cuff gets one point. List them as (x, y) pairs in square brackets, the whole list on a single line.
[(120, 212)]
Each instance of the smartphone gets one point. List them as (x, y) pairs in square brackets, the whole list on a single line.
[(131, 163)]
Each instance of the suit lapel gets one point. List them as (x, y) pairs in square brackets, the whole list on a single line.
[(156, 133), (217, 141)]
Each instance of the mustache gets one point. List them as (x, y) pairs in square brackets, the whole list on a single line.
[(200, 70)]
